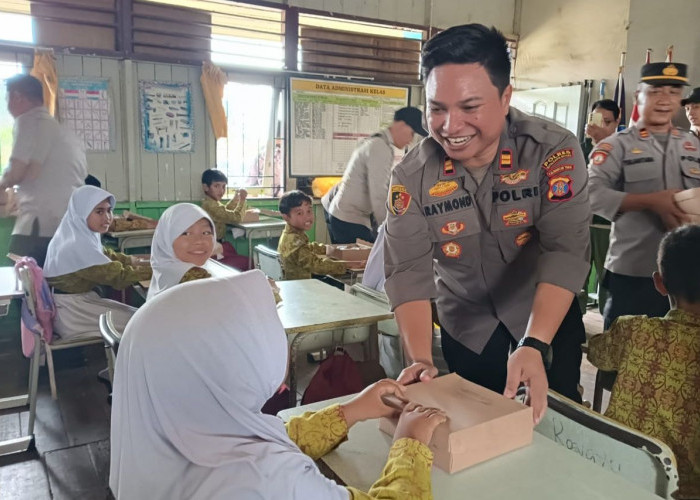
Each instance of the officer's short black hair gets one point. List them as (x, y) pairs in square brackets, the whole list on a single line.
[(26, 85), (609, 105), (213, 175), (467, 44), (679, 264), (293, 199)]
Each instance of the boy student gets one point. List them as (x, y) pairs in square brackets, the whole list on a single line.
[(658, 360), (214, 186), (300, 258)]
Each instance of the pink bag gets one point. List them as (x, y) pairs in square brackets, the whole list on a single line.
[(45, 308), (338, 375)]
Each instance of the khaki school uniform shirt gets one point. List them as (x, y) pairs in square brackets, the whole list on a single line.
[(633, 161), (481, 250), (223, 214), (300, 258)]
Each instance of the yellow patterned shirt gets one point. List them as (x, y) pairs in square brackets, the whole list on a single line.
[(118, 274), (406, 475), (300, 258), (195, 273), (657, 361), (223, 214)]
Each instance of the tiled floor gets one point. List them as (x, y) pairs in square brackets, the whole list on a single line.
[(71, 460)]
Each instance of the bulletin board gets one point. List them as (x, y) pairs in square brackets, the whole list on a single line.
[(166, 117), (84, 107), (327, 119)]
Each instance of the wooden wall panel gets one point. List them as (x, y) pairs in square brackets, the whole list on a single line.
[(147, 162)]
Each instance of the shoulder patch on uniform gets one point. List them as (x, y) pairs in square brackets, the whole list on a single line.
[(443, 188), (689, 146), (506, 161), (399, 199), (558, 169), (557, 156), (515, 217), (515, 177), (452, 249), (452, 228), (560, 188), (523, 238), (598, 157)]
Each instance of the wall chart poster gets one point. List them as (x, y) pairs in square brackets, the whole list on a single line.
[(83, 107), (166, 117), (328, 118)]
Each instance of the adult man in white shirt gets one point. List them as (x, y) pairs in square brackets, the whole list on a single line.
[(47, 163)]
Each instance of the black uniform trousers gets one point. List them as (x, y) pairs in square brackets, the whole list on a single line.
[(489, 369), (346, 232), (32, 245), (632, 295)]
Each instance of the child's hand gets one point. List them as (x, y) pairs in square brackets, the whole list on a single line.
[(368, 404), (355, 264), (242, 194), (419, 422)]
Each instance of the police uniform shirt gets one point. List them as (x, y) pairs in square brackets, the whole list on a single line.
[(633, 161), (481, 250)]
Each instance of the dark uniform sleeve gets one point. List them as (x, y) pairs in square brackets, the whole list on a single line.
[(564, 219), (408, 247), (606, 179)]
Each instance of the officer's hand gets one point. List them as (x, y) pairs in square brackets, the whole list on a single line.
[(525, 365), (417, 372), (663, 203)]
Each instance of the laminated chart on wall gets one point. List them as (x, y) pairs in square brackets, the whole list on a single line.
[(166, 117), (84, 107), (329, 118)]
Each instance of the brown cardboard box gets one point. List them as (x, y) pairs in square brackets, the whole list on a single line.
[(251, 215), (689, 202), (481, 424), (349, 251)]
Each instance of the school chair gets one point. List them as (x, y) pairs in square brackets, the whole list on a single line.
[(268, 261), (603, 381), (111, 338), (56, 343), (641, 459)]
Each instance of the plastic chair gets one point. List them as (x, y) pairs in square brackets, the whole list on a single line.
[(641, 459), (56, 343), (268, 261), (111, 338)]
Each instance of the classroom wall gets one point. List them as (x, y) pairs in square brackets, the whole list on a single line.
[(565, 41)]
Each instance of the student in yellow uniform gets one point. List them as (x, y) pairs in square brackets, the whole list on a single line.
[(76, 263), (657, 360), (195, 366), (182, 244), (300, 258), (214, 186)]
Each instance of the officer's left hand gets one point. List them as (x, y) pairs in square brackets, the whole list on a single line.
[(525, 365)]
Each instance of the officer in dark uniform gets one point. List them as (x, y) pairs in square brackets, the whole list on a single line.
[(489, 216), (634, 175)]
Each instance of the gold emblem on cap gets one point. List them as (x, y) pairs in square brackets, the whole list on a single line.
[(670, 70)]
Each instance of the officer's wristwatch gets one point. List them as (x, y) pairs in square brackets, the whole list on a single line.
[(544, 348)]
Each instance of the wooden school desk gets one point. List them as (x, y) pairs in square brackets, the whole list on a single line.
[(132, 239), (544, 470), (266, 227), (310, 306)]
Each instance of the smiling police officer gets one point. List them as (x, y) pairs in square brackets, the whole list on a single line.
[(489, 216)]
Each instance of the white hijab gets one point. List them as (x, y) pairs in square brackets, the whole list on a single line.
[(195, 365), (168, 270), (75, 246)]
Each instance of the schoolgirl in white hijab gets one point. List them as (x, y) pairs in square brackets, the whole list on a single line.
[(195, 365), (195, 242), (76, 263)]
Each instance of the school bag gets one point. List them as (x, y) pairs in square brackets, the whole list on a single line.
[(337, 375), (45, 308)]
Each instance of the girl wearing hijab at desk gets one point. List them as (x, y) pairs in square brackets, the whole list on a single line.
[(76, 263), (195, 366), (182, 244)]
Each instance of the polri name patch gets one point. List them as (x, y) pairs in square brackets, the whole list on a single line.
[(556, 156)]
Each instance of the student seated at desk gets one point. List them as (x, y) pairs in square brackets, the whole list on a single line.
[(657, 360), (76, 263), (195, 366), (182, 244), (214, 186), (299, 257)]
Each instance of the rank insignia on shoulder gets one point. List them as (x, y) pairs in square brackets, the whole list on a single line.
[(604, 146), (515, 218), (452, 249), (556, 156), (515, 177), (522, 239), (636, 151), (399, 199), (689, 146), (452, 228), (448, 168), (443, 188), (598, 157), (643, 133), (560, 188), (506, 162)]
